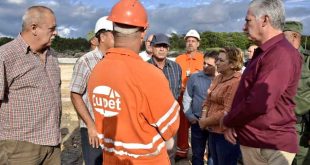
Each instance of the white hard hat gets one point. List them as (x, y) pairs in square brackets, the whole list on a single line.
[(103, 23), (192, 33)]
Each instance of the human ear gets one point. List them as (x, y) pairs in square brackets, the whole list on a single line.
[(34, 28), (265, 20)]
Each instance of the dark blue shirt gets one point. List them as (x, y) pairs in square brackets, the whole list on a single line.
[(173, 73), (195, 93)]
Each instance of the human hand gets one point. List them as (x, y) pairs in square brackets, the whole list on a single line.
[(230, 135), (170, 144), (222, 120), (93, 136), (202, 123), (194, 121)]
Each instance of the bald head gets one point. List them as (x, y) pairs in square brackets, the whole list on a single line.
[(35, 15), (250, 51), (127, 36), (39, 28)]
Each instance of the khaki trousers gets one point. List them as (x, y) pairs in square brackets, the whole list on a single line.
[(259, 156), (13, 152)]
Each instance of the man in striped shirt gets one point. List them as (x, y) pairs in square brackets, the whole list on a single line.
[(92, 154), (173, 72), (160, 47)]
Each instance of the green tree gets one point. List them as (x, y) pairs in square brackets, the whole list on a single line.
[(4, 40), (177, 42), (74, 44), (305, 42)]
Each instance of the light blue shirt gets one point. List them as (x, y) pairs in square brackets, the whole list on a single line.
[(195, 94)]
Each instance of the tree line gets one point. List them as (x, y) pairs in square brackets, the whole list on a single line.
[(209, 40)]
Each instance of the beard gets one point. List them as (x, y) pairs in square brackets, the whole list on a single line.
[(210, 70)]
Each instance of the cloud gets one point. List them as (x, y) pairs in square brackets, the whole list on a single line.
[(76, 18), (49, 3), (65, 31), (2, 35), (216, 16), (73, 20), (16, 1)]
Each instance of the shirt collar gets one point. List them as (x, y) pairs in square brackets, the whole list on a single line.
[(167, 62), (203, 74), (193, 57), (98, 53), (26, 48), (23, 45), (237, 74), (265, 46), (123, 52)]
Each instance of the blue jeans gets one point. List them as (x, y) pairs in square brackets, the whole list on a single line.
[(223, 152), (199, 140), (92, 156)]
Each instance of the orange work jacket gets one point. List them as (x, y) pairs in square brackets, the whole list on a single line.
[(135, 111)]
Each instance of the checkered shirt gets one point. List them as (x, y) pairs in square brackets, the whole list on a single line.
[(80, 76), (30, 95)]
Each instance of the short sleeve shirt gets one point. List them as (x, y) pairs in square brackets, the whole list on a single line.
[(80, 76), (189, 65)]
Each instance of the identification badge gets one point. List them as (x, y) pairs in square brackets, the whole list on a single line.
[(188, 73)]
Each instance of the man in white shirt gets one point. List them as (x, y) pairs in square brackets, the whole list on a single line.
[(147, 54)]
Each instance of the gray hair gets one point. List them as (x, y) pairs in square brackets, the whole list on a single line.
[(34, 14), (274, 9)]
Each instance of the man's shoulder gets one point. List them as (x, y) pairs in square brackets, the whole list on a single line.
[(199, 54), (90, 55), (198, 74), (285, 46), (181, 59), (143, 53), (181, 56), (173, 63), (11, 51), (9, 48), (148, 66), (281, 50)]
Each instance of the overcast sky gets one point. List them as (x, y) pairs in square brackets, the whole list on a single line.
[(76, 17)]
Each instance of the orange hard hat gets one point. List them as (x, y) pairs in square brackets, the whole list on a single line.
[(129, 12)]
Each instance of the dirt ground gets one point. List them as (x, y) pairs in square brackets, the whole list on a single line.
[(71, 145)]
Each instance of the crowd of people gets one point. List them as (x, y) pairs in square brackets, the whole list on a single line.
[(137, 107)]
